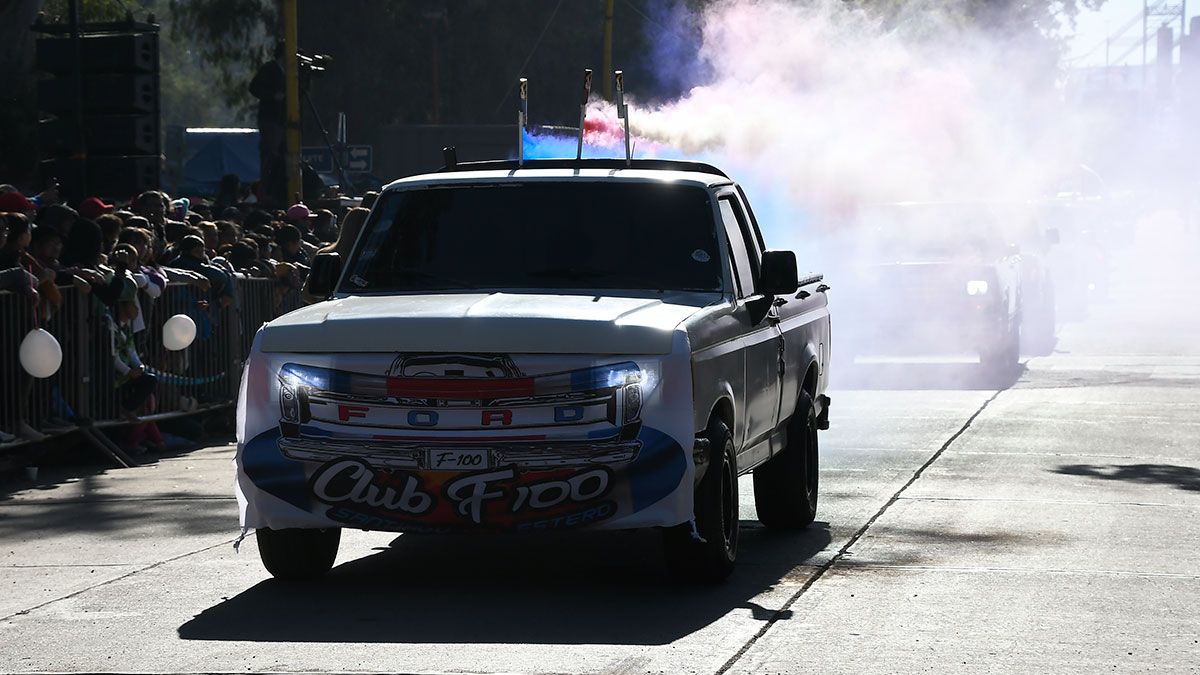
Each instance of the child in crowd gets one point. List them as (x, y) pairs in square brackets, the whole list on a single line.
[(135, 385)]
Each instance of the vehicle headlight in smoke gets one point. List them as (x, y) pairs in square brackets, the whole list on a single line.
[(289, 402), (977, 287), (633, 402)]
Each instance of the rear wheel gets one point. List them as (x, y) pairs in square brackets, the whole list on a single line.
[(707, 553), (1005, 358), (786, 486), (296, 553)]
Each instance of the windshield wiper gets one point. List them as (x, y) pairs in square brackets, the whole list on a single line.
[(585, 273)]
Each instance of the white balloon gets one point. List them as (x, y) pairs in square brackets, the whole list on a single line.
[(40, 353), (178, 332)]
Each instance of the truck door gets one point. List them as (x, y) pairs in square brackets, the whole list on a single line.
[(798, 335), (761, 337)]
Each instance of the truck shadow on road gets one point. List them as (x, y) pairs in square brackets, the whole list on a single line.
[(602, 588)]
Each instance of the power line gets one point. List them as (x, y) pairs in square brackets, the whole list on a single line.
[(512, 81)]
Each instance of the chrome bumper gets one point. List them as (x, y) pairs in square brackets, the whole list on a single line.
[(521, 455)]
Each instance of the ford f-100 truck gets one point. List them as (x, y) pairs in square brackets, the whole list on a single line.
[(545, 346)]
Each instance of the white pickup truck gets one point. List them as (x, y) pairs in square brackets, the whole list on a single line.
[(564, 344)]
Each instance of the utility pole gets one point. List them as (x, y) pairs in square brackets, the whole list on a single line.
[(1145, 39), (291, 72), (1165, 64), (608, 34), (1166, 10)]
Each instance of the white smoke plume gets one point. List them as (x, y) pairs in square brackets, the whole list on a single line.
[(824, 111), (821, 108)]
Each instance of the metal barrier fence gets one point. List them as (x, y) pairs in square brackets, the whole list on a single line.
[(203, 376)]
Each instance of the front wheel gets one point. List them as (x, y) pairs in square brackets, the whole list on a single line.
[(297, 553), (786, 486), (707, 553)]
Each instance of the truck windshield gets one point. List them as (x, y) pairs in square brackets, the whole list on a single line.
[(540, 235)]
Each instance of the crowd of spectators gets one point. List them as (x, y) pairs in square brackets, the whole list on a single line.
[(122, 256)]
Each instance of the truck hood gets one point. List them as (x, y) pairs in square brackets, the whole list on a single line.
[(481, 322)]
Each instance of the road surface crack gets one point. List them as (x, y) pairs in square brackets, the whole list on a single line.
[(786, 610), (139, 570)]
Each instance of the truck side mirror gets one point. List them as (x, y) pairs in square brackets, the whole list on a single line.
[(779, 276), (326, 269)]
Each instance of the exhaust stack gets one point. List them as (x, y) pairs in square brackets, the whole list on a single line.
[(522, 119), (623, 113), (587, 93)]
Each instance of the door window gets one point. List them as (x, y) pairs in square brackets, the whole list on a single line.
[(744, 266)]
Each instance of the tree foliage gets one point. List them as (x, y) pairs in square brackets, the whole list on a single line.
[(230, 37)]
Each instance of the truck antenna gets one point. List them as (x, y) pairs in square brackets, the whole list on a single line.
[(587, 93), (450, 158), (623, 113), (522, 120)]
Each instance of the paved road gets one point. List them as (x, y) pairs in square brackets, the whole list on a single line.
[(1051, 526)]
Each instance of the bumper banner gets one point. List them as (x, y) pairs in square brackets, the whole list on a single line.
[(451, 442)]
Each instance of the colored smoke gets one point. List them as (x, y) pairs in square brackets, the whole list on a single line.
[(824, 111)]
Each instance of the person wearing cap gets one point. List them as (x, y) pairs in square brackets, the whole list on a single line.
[(303, 219), (15, 202), (41, 257), (94, 207), (58, 216), (192, 257), (300, 216)]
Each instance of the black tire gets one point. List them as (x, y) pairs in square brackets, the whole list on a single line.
[(710, 558), (787, 485), (1004, 360), (298, 554)]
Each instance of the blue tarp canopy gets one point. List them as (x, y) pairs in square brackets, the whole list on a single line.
[(212, 153)]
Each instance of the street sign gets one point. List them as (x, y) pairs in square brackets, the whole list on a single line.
[(358, 158), (355, 158), (320, 159)]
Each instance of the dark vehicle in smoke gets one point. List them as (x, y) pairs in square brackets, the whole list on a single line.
[(1080, 258), (974, 289), (967, 308)]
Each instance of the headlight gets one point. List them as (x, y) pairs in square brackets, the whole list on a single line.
[(633, 402), (977, 287), (289, 405)]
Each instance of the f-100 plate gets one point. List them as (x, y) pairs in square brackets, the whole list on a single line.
[(458, 459)]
